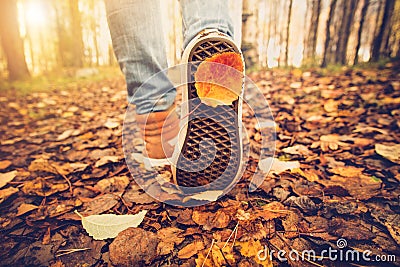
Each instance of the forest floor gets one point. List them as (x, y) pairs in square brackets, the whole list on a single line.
[(61, 151)]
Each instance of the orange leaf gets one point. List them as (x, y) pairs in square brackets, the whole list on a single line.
[(219, 79)]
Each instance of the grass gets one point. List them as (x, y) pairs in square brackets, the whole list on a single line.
[(60, 79)]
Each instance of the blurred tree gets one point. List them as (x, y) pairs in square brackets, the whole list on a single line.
[(11, 41), (69, 32), (328, 33), (360, 29), (250, 32), (380, 45), (311, 43), (349, 10), (288, 32), (76, 30)]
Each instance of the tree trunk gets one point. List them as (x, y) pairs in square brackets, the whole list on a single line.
[(328, 32), (249, 32), (11, 41), (76, 28), (349, 8), (288, 32), (311, 44), (379, 45), (360, 29)]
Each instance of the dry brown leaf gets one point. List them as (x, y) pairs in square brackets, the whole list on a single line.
[(347, 171), (310, 175), (113, 184), (25, 208), (298, 150), (361, 187), (106, 159), (169, 237), (42, 187), (210, 220), (6, 193), (190, 250), (331, 105), (4, 164), (270, 211)]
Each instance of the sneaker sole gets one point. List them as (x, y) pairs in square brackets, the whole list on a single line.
[(221, 124)]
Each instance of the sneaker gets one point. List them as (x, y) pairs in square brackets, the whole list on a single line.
[(159, 130), (209, 149)]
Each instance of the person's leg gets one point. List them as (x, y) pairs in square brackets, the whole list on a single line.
[(199, 15), (139, 46)]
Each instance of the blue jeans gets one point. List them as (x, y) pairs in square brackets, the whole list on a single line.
[(139, 45)]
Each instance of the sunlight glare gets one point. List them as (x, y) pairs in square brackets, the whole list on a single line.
[(35, 13)]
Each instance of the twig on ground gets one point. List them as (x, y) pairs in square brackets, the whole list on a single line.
[(69, 251), (208, 253)]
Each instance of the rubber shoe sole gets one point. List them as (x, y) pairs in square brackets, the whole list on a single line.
[(214, 164)]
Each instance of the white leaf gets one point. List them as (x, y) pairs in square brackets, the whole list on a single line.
[(274, 165), (105, 226), (211, 195), (7, 177), (391, 152), (110, 124)]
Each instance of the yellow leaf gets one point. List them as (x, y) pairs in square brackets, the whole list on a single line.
[(252, 249), (219, 79)]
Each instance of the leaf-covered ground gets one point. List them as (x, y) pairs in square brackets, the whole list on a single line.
[(61, 151)]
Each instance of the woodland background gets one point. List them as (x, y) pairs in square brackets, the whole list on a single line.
[(43, 36), (330, 71)]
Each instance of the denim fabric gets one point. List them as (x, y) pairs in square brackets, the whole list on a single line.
[(139, 45)]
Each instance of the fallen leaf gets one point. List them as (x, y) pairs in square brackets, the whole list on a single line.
[(274, 165), (6, 193), (135, 194), (42, 187), (391, 152), (169, 237), (310, 175), (252, 248), (190, 250), (7, 177), (4, 164), (111, 124), (100, 204), (113, 184), (106, 159), (211, 195), (331, 105), (298, 150), (329, 142), (25, 208), (219, 79), (67, 133), (270, 211), (347, 171), (105, 226), (210, 220)]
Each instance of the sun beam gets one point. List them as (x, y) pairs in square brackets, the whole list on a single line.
[(35, 13)]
